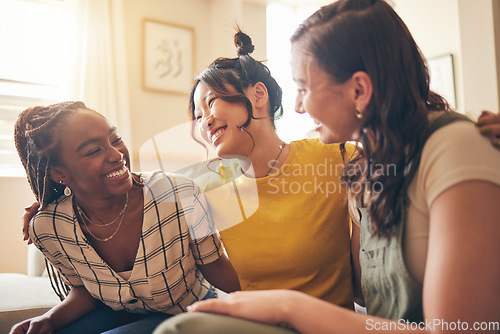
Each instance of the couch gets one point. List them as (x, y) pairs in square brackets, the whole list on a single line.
[(25, 296)]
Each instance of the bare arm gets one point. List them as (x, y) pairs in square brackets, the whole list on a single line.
[(221, 274), (462, 275), (76, 304), (356, 268)]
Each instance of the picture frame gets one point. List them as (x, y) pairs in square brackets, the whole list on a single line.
[(442, 77), (168, 57)]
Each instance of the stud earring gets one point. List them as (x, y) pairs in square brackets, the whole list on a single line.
[(358, 113)]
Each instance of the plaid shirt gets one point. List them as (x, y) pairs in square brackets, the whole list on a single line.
[(165, 277)]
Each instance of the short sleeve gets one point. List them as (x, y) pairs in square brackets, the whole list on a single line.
[(47, 243), (454, 154), (206, 244)]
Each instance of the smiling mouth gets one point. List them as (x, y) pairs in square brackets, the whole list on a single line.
[(218, 133), (117, 173)]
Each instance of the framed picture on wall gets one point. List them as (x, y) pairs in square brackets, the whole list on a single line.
[(168, 57), (442, 77)]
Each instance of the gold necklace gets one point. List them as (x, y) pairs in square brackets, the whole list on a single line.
[(85, 218), (84, 215), (281, 147)]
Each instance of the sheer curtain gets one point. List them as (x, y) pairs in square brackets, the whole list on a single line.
[(99, 60)]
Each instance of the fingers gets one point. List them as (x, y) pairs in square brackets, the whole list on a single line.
[(210, 305), (485, 113), (20, 328), (28, 215), (489, 126)]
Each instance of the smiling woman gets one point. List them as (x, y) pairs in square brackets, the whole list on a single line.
[(125, 237)]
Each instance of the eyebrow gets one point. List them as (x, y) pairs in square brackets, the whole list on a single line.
[(298, 80), (208, 95), (93, 140)]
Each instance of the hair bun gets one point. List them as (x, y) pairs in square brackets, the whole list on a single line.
[(243, 44)]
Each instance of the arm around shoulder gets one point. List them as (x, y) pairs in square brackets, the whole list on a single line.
[(221, 274)]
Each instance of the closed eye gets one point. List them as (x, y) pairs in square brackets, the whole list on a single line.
[(92, 152), (211, 102), (117, 141)]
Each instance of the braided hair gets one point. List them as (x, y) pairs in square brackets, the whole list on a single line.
[(36, 135)]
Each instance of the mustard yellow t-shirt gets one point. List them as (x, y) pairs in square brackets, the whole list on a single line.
[(297, 234)]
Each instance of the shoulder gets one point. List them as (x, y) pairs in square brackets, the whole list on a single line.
[(60, 211), (224, 171), (160, 184), (461, 137), (313, 147), (455, 153)]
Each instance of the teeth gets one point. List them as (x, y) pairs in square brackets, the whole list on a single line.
[(117, 173), (217, 133)]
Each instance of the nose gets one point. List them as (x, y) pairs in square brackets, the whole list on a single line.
[(115, 155), (299, 107), (206, 122)]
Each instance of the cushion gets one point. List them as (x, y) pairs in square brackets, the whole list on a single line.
[(23, 297)]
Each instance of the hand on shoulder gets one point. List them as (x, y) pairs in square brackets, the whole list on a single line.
[(489, 125)]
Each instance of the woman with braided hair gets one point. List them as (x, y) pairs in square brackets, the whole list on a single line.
[(120, 242)]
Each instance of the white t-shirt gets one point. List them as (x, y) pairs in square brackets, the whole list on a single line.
[(453, 154)]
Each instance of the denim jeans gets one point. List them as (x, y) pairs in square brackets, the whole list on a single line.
[(106, 320)]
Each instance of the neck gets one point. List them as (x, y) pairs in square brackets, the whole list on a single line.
[(267, 156), (102, 207)]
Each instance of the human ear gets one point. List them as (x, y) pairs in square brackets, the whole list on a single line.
[(363, 90), (59, 175), (260, 95)]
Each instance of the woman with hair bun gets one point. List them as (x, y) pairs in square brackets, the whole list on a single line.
[(299, 236)]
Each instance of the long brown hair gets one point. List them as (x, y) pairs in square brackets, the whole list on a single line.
[(367, 35)]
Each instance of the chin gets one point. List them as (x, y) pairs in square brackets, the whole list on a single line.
[(328, 138)]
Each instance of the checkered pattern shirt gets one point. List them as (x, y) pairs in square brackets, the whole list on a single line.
[(165, 277)]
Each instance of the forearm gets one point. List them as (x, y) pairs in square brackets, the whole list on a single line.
[(76, 304), (356, 268), (221, 274), (311, 315)]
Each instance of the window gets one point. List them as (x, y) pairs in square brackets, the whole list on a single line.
[(282, 21), (33, 65)]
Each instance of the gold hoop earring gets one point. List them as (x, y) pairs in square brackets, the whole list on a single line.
[(358, 113)]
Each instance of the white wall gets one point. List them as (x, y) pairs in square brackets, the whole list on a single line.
[(465, 29), (214, 23), (16, 194)]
